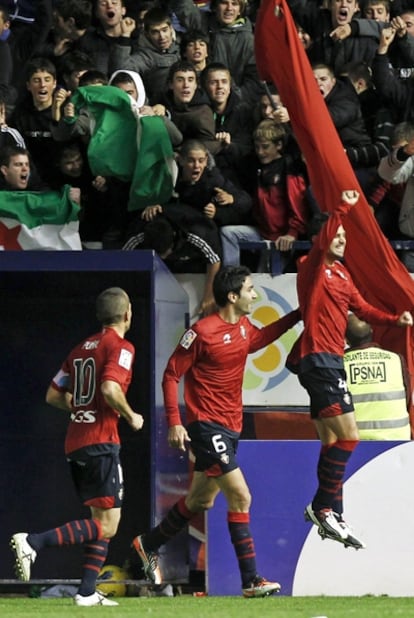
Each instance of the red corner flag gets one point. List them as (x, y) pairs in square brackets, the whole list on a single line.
[(376, 270)]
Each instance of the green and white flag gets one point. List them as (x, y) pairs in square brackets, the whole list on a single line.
[(39, 220), (128, 146)]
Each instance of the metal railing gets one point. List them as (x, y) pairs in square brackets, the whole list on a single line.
[(274, 255)]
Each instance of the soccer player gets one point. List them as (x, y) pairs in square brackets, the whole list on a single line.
[(91, 385), (212, 355), (326, 293)]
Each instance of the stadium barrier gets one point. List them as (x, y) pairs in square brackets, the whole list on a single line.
[(274, 260)]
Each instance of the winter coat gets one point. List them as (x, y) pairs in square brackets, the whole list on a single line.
[(232, 45), (152, 64), (360, 46), (201, 193)]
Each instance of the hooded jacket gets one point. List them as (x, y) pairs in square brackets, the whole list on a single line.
[(231, 45), (195, 119), (151, 63)]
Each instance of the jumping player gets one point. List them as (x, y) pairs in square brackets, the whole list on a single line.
[(91, 385), (212, 356), (326, 293)]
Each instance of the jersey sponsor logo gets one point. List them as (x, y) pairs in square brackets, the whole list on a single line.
[(226, 338), (90, 345), (372, 373), (125, 359), (83, 416), (188, 338)]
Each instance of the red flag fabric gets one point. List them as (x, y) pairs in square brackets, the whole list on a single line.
[(380, 276)]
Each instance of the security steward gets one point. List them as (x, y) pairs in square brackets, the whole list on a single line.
[(379, 382)]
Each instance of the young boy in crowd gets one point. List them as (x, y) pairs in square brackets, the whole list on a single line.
[(279, 206), (202, 185), (35, 115)]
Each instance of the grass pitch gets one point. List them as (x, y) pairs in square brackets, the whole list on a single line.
[(208, 607)]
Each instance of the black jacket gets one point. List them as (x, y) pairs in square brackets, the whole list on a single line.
[(195, 119), (152, 64), (35, 127), (196, 239), (237, 119), (345, 111), (201, 193), (397, 93), (359, 47)]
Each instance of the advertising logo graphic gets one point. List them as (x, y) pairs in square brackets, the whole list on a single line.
[(266, 369)]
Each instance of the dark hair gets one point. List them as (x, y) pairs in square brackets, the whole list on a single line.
[(358, 70), (8, 152), (190, 37), (76, 61), (213, 66), (357, 332), (111, 306), (242, 5), (62, 150), (192, 144), (159, 235), (315, 224), (93, 76), (122, 78), (385, 3), (228, 279), (155, 16), (95, 3), (403, 131), (321, 65), (39, 64), (180, 65), (268, 88), (5, 12), (79, 10)]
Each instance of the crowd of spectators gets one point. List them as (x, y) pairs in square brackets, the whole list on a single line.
[(239, 171)]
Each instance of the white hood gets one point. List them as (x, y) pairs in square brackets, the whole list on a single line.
[(138, 84)]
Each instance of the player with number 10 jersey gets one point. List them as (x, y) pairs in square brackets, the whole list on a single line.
[(103, 356)]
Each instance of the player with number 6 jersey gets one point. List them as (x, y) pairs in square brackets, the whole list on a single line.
[(212, 356)]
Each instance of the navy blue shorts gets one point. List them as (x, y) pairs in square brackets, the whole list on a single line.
[(98, 478), (328, 392), (214, 448)]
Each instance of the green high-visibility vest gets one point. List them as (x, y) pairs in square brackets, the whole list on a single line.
[(375, 379)]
